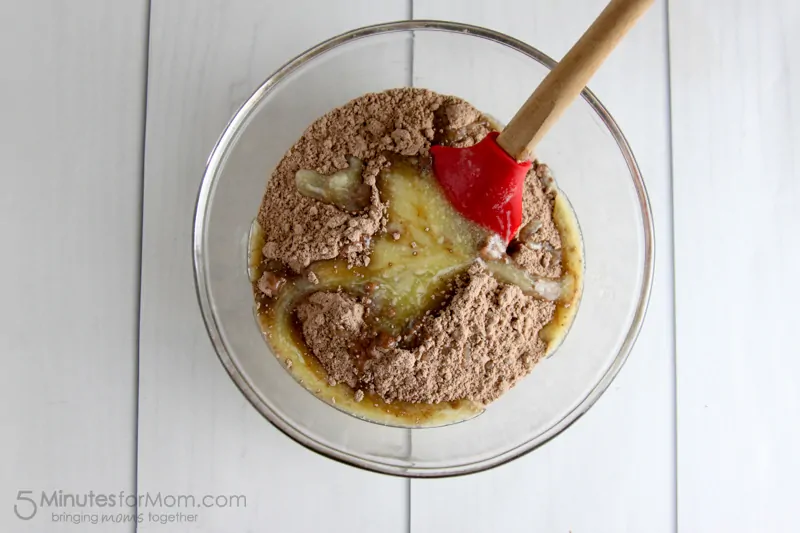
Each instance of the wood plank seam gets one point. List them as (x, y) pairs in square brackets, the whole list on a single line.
[(671, 203), (145, 83)]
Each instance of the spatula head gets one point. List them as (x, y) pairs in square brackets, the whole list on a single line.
[(483, 183)]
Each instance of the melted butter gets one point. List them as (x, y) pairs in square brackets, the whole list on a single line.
[(572, 274), (425, 246), (344, 188)]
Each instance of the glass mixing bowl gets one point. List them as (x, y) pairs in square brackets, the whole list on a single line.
[(591, 162)]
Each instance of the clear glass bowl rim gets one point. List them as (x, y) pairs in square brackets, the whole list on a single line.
[(216, 162)]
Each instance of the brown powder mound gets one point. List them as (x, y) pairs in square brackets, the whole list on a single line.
[(538, 198), (332, 325), (299, 230), (538, 243), (543, 263), (479, 346)]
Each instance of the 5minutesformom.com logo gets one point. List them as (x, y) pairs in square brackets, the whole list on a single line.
[(29, 503)]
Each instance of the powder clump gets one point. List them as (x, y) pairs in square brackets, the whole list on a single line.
[(479, 346), (332, 324)]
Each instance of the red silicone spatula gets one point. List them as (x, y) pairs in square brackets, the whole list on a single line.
[(484, 182)]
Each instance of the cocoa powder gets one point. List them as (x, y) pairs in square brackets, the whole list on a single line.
[(486, 337), (299, 230), (333, 324)]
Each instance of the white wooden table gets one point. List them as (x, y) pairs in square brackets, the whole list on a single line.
[(108, 111)]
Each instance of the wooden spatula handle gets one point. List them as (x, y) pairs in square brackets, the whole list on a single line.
[(565, 82)]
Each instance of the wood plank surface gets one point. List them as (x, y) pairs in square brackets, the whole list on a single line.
[(736, 141), (197, 433), (72, 98), (613, 471), (72, 88)]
